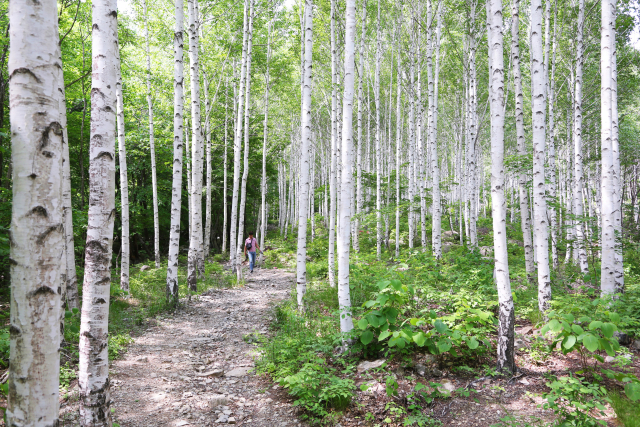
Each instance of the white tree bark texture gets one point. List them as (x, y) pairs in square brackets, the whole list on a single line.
[(539, 110), (305, 144), (152, 144), (37, 225), (245, 171), (265, 130), (344, 299), (376, 94), (124, 184), (93, 375), (195, 203), (178, 144), (359, 193), (333, 178), (506, 315), (525, 219)]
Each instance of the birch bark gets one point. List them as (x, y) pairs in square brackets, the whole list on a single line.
[(538, 105), (124, 186), (93, 376), (506, 314), (305, 144), (359, 193), (344, 300), (37, 223), (176, 191), (152, 144), (376, 92), (333, 179), (264, 143)]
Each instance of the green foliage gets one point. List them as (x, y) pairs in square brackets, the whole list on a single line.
[(573, 399), (4, 347), (584, 335), (627, 412)]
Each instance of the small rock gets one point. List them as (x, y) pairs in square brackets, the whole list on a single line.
[(436, 372), (144, 268), (524, 381), (223, 419), (421, 369), (609, 359), (623, 338), (153, 375), (143, 360), (430, 358), (231, 420), (181, 423), (214, 373), (238, 372), (366, 365), (218, 400), (635, 345), (446, 388)]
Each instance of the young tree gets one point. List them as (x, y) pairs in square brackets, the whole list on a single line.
[(176, 191), (305, 144), (344, 299), (196, 251), (506, 314), (376, 92), (525, 218), (539, 110), (152, 144), (124, 184), (93, 376), (37, 223), (263, 185), (334, 147)]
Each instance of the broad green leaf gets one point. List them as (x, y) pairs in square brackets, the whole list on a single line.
[(444, 346), (373, 320), (632, 390), (608, 329), (369, 304), (607, 347), (362, 323), (615, 317), (420, 338), (68, 314), (569, 342), (599, 358), (577, 329), (366, 337), (584, 319), (383, 284), (440, 326), (568, 317), (74, 329), (391, 314), (384, 335), (397, 285), (75, 310), (401, 343), (555, 326), (595, 325), (473, 343), (590, 342)]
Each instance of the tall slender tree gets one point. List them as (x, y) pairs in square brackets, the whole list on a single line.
[(124, 182)]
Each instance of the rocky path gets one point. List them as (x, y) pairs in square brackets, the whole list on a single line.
[(195, 368)]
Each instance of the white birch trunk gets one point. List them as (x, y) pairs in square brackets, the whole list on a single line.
[(264, 144), (224, 183), (359, 193), (376, 92), (305, 146), (551, 147), (436, 227), (176, 191), (93, 375), (506, 315), (525, 219), (344, 299), (245, 171), (578, 179), (398, 140), (207, 149), (152, 144), (124, 186), (333, 178), (37, 225), (538, 105)]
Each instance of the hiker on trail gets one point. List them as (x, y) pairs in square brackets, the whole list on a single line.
[(250, 246)]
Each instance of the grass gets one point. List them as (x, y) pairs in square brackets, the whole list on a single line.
[(627, 412)]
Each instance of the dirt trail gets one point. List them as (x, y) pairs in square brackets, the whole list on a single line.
[(194, 368)]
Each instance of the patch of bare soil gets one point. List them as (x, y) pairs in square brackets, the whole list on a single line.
[(194, 368)]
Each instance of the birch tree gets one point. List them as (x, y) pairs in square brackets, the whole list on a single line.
[(93, 375), (376, 92), (305, 144), (152, 144), (538, 105), (525, 218), (37, 223), (176, 191), (263, 185), (333, 179), (506, 314), (344, 299), (124, 183)]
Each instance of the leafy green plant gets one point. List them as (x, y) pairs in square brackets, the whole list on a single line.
[(626, 411), (584, 335), (573, 400)]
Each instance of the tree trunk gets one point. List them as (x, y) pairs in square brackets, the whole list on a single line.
[(538, 105), (152, 144), (37, 224), (525, 219), (359, 194), (264, 143), (334, 143), (176, 191), (506, 316), (344, 299), (376, 94), (551, 147), (124, 185), (93, 376)]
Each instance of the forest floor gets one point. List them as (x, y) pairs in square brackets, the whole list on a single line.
[(194, 368)]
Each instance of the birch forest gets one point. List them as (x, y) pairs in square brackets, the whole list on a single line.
[(320, 213)]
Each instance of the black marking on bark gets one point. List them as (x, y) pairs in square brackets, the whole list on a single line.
[(43, 236), (14, 331), (104, 154), (39, 210), (108, 108), (99, 301), (42, 290), (33, 176), (25, 71), (95, 27), (113, 13), (96, 245), (12, 261), (44, 141), (87, 334)]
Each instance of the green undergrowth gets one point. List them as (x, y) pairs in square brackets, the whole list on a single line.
[(412, 305)]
